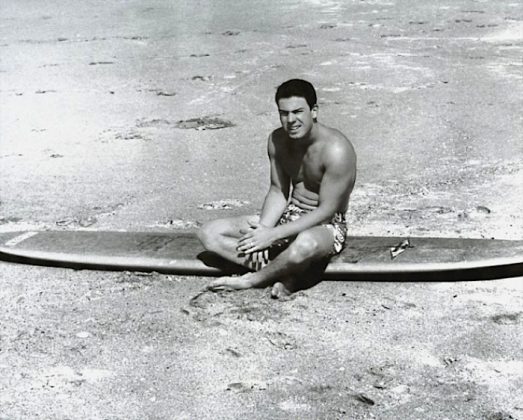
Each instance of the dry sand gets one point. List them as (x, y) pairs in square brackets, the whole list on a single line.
[(134, 115)]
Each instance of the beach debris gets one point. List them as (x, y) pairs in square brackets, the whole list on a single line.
[(143, 123), (177, 224), (83, 334), (196, 302), (202, 78), (11, 219), (384, 375), (82, 221), (100, 63), (204, 123), (507, 319), (483, 209), (200, 55), (321, 388), (328, 26), (233, 352), (382, 383), (131, 135), (500, 415), (183, 224), (449, 361), (161, 93), (292, 46), (56, 155), (87, 221), (231, 33), (364, 399), (477, 212), (246, 386), (401, 247), (282, 341), (41, 91), (226, 204)]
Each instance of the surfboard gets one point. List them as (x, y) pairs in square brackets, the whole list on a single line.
[(180, 252)]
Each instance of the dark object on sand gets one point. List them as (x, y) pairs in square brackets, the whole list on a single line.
[(204, 123), (398, 249), (179, 252)]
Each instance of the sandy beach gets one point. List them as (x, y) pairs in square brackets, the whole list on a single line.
[(133, 115)]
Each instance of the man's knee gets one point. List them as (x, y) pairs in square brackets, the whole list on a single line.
[(209, 233), (305, 247)]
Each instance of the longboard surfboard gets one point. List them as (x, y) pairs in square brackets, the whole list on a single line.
[(180, 252)]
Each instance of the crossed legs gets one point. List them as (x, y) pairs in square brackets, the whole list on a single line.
[(286, 273)]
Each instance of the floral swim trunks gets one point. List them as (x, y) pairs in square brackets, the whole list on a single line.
[(337, 225)]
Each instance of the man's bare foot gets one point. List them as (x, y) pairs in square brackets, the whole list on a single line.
[(230, 283), (283, 289), (279, 291)]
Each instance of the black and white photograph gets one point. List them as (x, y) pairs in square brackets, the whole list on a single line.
[(270, 210)]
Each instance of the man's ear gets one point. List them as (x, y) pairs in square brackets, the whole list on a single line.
[(314, 112)]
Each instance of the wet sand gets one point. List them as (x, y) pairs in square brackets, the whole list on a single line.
[(142, 116)]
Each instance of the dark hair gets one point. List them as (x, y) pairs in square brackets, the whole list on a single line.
[(297, 87)]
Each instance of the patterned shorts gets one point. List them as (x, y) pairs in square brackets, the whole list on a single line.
[(337, 225)]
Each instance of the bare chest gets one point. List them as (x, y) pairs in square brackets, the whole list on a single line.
[(305, 168)]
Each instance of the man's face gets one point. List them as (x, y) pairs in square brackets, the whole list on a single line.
[(297, 119)]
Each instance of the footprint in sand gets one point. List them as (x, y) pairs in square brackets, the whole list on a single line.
[(77, 221), (281, 340), (507, 319), (42, 92), (204, 123), (226, 204), (4, 220), (384, 375)]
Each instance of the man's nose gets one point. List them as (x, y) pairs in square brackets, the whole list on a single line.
[(291, 117)]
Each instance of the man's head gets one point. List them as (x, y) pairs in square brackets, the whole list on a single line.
[(297, 105), (299, 88)]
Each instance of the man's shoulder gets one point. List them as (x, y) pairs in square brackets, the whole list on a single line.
[(277, 135), (332, 133), (337, 142), (278, 139)]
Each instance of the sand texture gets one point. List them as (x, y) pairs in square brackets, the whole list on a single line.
[(133, 115)]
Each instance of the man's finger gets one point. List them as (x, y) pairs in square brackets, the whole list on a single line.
[(244, 246), (245, 238)]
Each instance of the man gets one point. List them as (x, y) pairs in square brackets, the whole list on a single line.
[(302, 221)]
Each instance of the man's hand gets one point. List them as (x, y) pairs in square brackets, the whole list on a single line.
[(258, 238)]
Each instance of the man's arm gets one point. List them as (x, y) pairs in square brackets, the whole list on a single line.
[(276, 199)]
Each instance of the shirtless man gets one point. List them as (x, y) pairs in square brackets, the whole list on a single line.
[(302, 221)]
